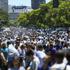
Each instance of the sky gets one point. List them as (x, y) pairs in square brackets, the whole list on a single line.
[(21, 2)]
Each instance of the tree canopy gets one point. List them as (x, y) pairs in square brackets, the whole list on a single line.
[(47, 16), (3, 15), (3, 18)]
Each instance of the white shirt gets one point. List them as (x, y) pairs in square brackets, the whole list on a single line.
[(40, 55), (58, 66), (68, 67), (21, 52), (65, 60), (35, 63), (21, 68), (12, 50)]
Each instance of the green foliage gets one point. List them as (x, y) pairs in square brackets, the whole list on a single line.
[(47, 16), (3, 15), (22, 20), (3, 18), (12, 23)]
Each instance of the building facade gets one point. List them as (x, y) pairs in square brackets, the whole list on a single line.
[(4, 5), (36, 3), (14, 11)]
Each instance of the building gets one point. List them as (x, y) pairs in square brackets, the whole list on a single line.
[(4, 9), (14, 11), (36, 3), (4, 5)]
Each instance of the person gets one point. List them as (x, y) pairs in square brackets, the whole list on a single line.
[(46, 64), (65, 48), (21, 66), (27, 61), (11, 53), (34, 60), (22, 51), (50, 48), (67, 67), (59, 65), (3, 62), (4, 49), (16, 64), (17, 43), (41, 55), (3, 56), (58, 46)]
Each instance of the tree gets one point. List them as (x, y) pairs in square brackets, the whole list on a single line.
[(22, 19), (47, 15), (3, 18), (60, 16)]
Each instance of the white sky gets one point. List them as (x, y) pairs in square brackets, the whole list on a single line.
[(21, 2)]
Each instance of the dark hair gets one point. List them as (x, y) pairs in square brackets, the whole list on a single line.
[(29, 53), (9, 42), (68, 55), (65, 45), (59, 56), (39, 47), (3, 45), (22, 46)]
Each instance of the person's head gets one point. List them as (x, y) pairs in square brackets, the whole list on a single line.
[(40, 47), (68, 55), (62, 43), (3, 45), (66, 45), (51, 45), (30, 47), (22, 46), (8, 43), (30, 54), (33, 38), (17, 41), (59, 56), (57, 42)]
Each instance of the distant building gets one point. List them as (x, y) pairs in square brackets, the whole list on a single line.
[(36, 3), (14, 11), (4, 5)]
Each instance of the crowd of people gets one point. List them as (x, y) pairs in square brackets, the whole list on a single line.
[(36, 53)]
